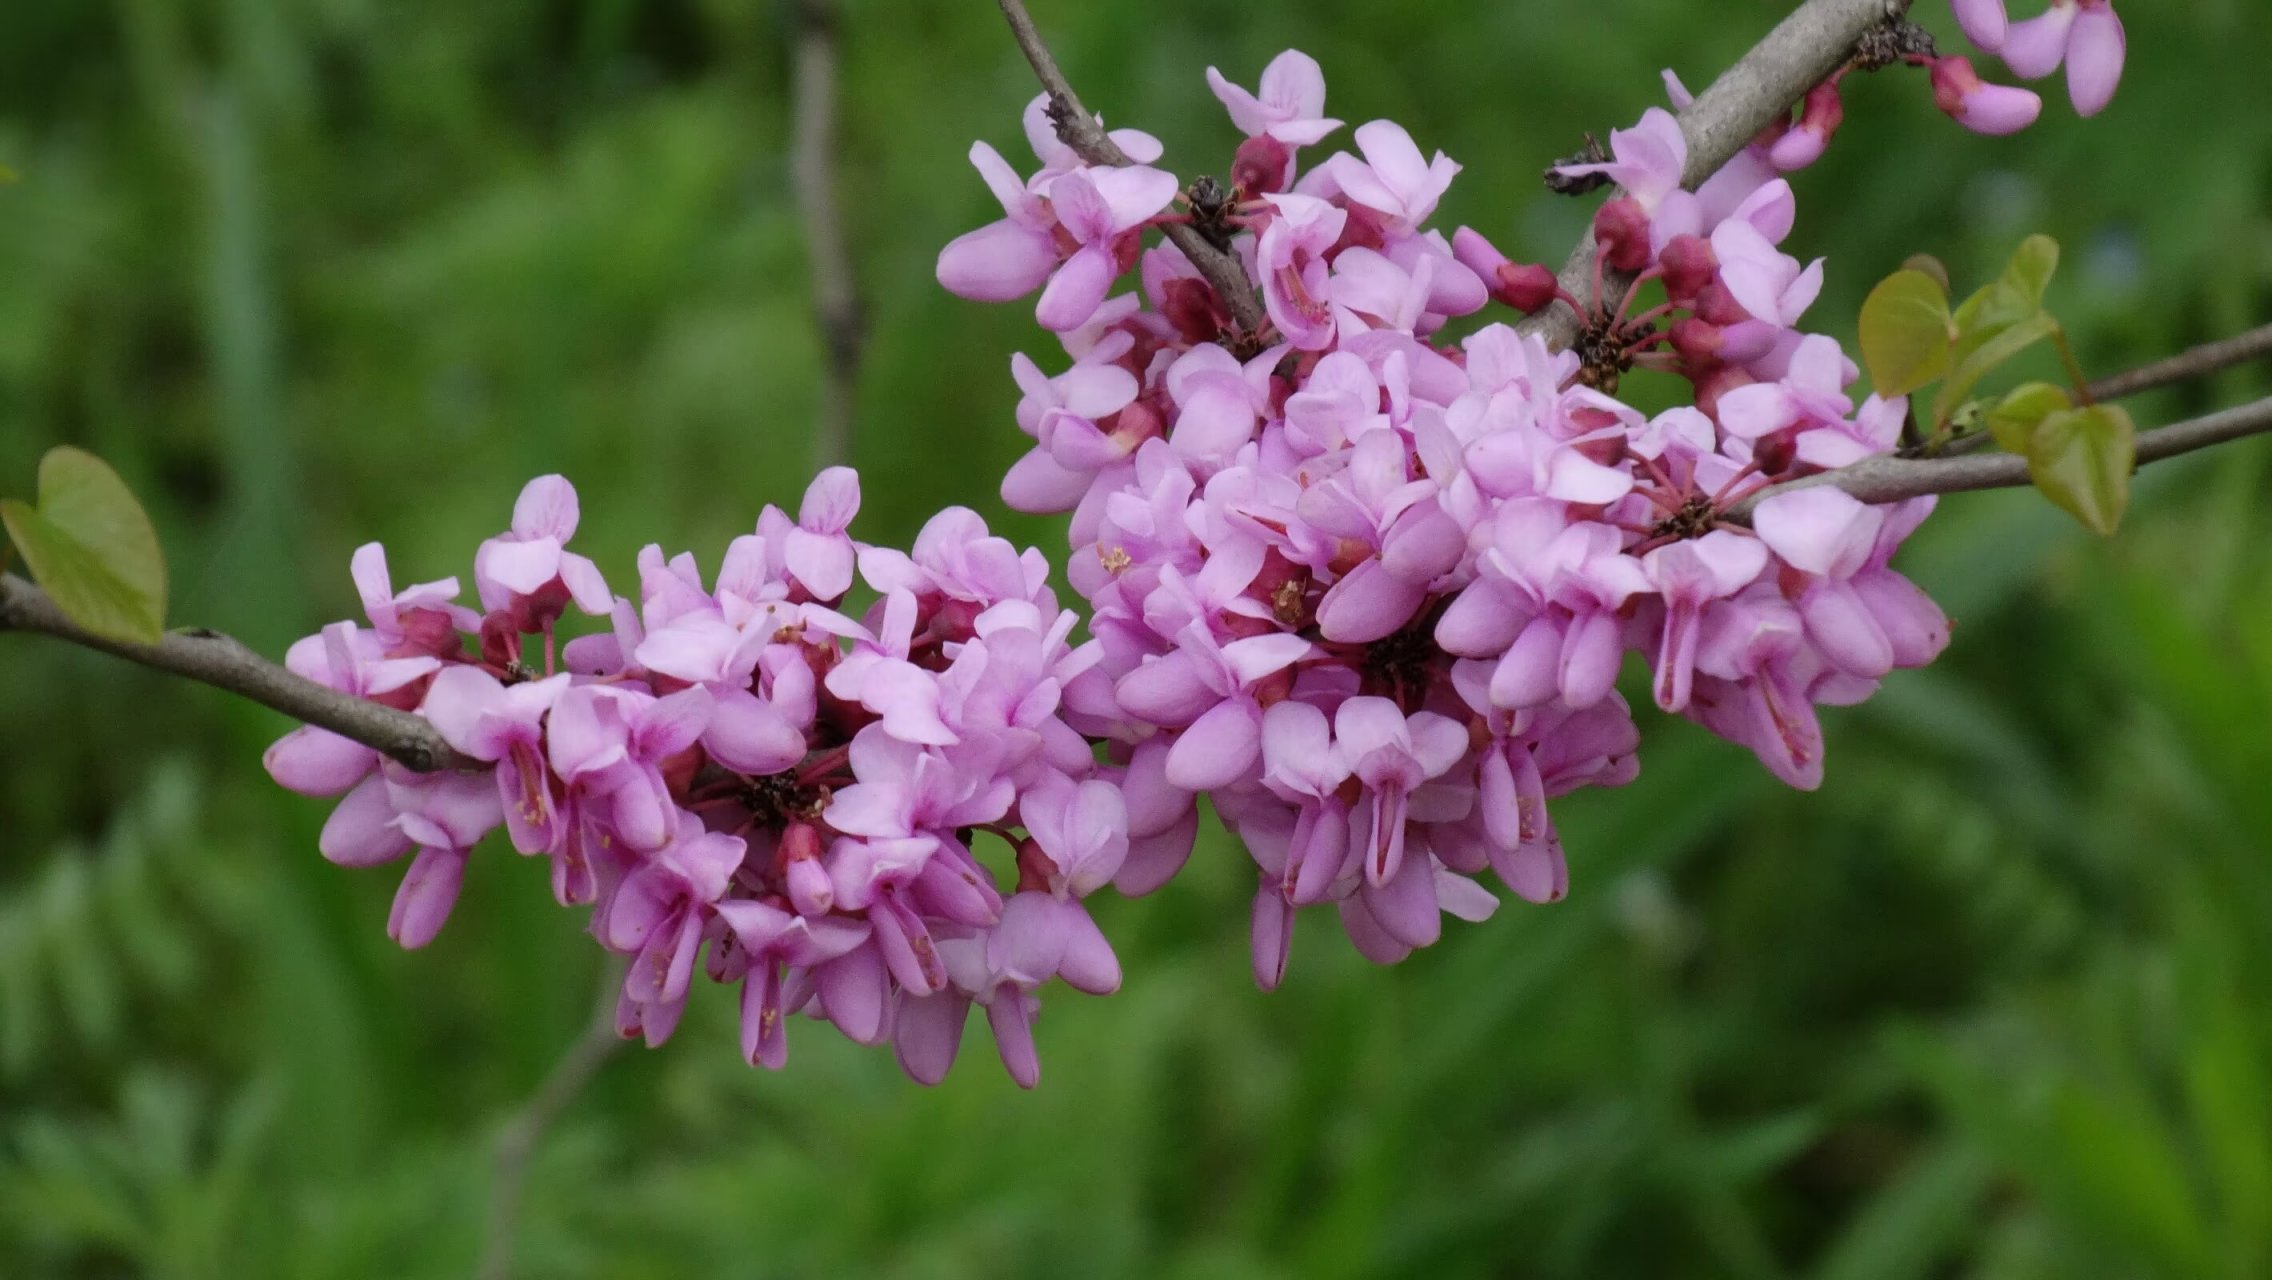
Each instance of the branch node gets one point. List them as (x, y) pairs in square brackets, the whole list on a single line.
[(1893, 41), (1563, 185)]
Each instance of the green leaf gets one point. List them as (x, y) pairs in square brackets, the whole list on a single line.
[(1931, 266), (1977, 360), (2031, 268), (90, 546), (2081, 459), (2013, 419), (1906, 332)]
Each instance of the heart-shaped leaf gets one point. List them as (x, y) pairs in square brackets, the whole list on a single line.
[(90, 546), (1905, 332), (2013, 419), (2082, 459), (2032, 266)]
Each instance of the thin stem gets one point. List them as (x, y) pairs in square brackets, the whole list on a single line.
[(2199, 362), (1891, 479), (221, 661), (1077, 129), (517, 1142), (812, 165), (2075, 376)]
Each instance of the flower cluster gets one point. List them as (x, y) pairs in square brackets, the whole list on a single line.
[(744, 768), (1369, 587), (2086, 35), (1363, 579)]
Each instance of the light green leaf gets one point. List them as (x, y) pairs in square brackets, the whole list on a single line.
[(1906, 332), (90, 546), (1931, 266), (1978, 360), (2081, 459), (2031, 268), (2013, 419)]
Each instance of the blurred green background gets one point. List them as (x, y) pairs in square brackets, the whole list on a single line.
[(1997, 1002)]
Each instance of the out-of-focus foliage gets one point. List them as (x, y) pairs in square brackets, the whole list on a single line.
[(1997, 1002)]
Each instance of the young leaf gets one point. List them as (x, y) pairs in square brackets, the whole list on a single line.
[(2081, 459), (1976, 360), (2013, 419), (1905, 332), (1931, 266), (90, 546), (2031, 268)]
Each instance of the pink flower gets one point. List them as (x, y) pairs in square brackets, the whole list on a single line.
[(1394, 179), (1289, 104), (816, 552), (1649, 159), (1691, 575), (423, 619), (1009, 258), (2087, 35), (1768, 283), (1393, 755), (770, 939), (529, 571), (658, 916), (318, 762), (1290, 260), (1984, 22), (1097, 207), (441, 815), (1992, 109), (503, 724)]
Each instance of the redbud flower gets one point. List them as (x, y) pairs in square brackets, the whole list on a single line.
[(1290, 257), (1289, 105), (528, 570), (1649, 159), (1394, 179), (2086, 35), (1984, 22), (1979, 106), (1094, 207)]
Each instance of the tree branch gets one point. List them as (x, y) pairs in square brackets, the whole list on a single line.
[(812, 169), (2200, 362), (218, 660), (1758, 90), (1890, 479), (518, 1140), (1078, 129)]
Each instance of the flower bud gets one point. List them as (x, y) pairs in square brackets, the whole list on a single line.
[(1984, 22), (1621, 228), (1979, 106), (1689, 265), (1261, 166)]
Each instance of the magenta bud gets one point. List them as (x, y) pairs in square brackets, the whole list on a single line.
[(1984, 22), (1621, 228), (1716, 304), (1261, 166), (2095, 49), (1476, 253), (1689, 265), (1525, 286), (1190, 306), (1992, 109), (1820, 114), (1695, 340), (810, 889)]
